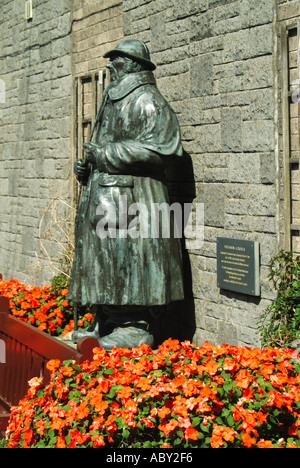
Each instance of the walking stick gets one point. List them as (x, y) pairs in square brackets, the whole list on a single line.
[(98, 117), (75, 315)]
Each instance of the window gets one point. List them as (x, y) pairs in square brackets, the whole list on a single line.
[(290, 135)]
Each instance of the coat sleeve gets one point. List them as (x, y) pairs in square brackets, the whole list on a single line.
[(150, 138)]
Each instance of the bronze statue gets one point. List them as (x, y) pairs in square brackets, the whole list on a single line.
[(124, 264)]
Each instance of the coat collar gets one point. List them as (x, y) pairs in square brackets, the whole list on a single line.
[(121, 88)]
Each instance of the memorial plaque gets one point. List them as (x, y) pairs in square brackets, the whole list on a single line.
[(238, 266)]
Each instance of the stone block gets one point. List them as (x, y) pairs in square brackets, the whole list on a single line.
[(236, 223), (208, 138), (258, 135), (185, 8), (157, 27), (261, 105), (231, 129), (202, 26), (256, 12), (258, 72), (288, 10), (236, 46), (262, 200), (202, 76), (213, 197), (174, 88), (248, 43), (189, 112), (268, 168), (264, 224), (244, 168), (227, 333)]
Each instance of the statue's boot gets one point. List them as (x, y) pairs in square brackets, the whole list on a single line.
[(128, 335), (92, 330)]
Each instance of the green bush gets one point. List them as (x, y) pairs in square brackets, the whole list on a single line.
[(3, 443), (280, 324)]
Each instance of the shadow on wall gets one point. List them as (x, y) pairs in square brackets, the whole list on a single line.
[(177, 320)]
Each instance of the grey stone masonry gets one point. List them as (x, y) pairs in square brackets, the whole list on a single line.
[(219, 64), (35, 65), (215, 64)]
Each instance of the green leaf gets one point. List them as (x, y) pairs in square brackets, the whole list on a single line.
[(196, 421), (204, 428)]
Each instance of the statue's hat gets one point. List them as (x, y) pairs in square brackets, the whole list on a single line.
[(134, 49)]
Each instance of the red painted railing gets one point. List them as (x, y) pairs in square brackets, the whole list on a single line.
[(27, 351)]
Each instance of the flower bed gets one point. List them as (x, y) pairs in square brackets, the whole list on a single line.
[(180, 396), (44, 308)]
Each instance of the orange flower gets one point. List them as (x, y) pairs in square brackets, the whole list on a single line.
[(53, 365), (67, 371), (163, 412), (264, 444), (98, 441), (82, 411), (144, 383), (191, 433), (179, 406), (100, 406), (172, 345), (167, 427), (243, 379), (267, 369), (27, 436), (57, 423), (293, 430), (248, 441), (230, 365), (221, 433), (212, 367), (124, 392), (40, 426), (60, 442)]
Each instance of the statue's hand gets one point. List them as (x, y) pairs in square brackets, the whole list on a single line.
[(81, 169), (90, 152)]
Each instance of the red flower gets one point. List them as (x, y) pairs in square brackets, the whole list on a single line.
[(53, 365), (191, 433), (243, 379)]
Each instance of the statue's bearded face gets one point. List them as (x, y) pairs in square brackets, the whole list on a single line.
[(120, 66)]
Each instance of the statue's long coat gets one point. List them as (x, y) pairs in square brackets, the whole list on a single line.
[(138, 134)]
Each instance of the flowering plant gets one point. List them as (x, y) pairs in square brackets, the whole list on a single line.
[(180, 396), (42, 307)]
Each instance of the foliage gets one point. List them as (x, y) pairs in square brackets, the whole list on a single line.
[(3, 443), (280, 323), (180, 396), (61, 280), (43, 307)]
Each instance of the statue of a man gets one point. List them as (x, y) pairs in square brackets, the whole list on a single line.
[(128, 267)]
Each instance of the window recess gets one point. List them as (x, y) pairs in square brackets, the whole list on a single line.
[(291, 134)]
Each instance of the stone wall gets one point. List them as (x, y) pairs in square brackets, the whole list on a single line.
[(218, 64), (35, 65), (97, 27), (38, 62), (215, 64), (288, 66)]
